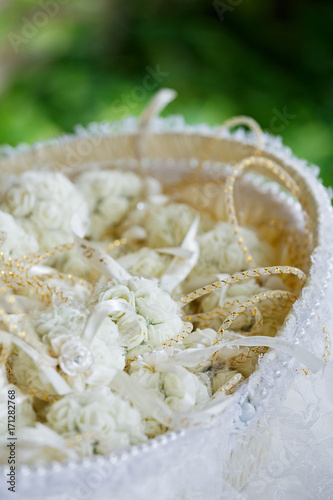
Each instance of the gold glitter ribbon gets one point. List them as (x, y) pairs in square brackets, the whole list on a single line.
[(235, 278)]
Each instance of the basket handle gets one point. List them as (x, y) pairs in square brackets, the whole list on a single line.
[(159, 101), (243, 120), (227, 125)]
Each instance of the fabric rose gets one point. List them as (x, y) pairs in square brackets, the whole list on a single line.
[(75, 357), (18, 242), (175, 390), (158, 316), (169, 386), (108, 359), (82, 365), (99, 413), (66, 317), (110, 195), (145, 262), (148, 379), (20, 200), (43, 203), (47, 214), (220, 253), (173, 221)]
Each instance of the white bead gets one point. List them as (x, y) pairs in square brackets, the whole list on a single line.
[(248, 412)]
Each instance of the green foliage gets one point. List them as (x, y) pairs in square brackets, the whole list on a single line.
[(87, 61)]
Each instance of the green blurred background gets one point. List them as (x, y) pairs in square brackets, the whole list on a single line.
[(64, 62)]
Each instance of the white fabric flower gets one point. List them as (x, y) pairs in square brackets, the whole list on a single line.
[(153, 428), (82, 365), (108, 358), (165, 225), (133, 330), (119, 291), (82, 446), (221, 253), (175, 390), (20, 199), (157, 313), (44, 203), (110, 194), (171, 387), (47, 215), (18, 242), (75, 357), (67, 317), (99, 413), (145, 262), (148, 379)]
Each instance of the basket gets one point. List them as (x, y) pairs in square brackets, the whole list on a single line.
[(277, 451)]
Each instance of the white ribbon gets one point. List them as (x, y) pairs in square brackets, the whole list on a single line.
[(147, 401), (150, 404), (55, 379), (103, 310), (184, 375), (95, 256), (193, 357), (154, 107), (180, 268)]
